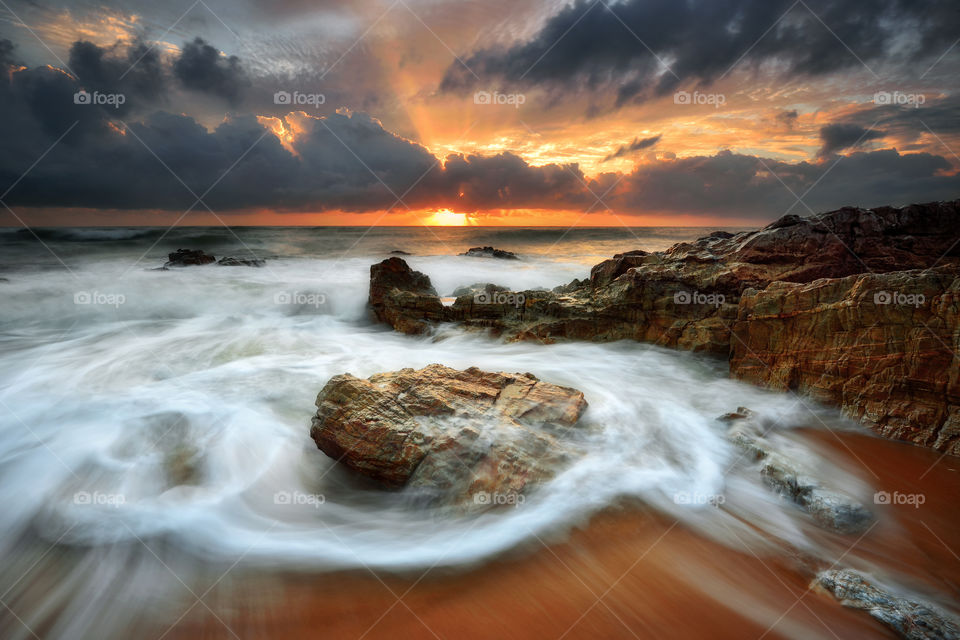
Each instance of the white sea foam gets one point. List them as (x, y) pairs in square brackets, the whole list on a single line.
[(184, 412)]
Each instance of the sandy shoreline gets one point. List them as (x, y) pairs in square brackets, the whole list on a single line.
[(629, 573)]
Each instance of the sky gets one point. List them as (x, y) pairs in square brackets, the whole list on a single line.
[(486, 112)]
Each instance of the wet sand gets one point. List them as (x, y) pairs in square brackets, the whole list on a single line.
[(629, 573)]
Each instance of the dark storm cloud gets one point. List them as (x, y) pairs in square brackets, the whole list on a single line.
[(349, 162), (750, 187), (135, 71), (843, 135), (593, 45), (506, 181), (910, 116), (636, 145), (7, 56), (201, 67)]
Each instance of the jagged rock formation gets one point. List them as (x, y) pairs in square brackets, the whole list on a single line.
[(790, 305)]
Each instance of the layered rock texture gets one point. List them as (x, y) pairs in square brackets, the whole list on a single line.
[(881, 346), (909, 618), (825, 305), (452, 435)]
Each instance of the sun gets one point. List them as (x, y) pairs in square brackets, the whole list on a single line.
[(447, 218)]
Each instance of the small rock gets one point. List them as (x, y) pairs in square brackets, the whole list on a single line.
[(230, 261), (477, 287), (571, 286), (910, 618), (830, 508), (398, 252), (188, 258), (490, 252)]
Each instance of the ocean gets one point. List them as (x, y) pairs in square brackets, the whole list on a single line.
[(143, 408)]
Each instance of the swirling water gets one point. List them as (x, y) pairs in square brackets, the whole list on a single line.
[(175, 405)]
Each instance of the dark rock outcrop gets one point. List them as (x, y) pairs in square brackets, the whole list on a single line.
[(490, 252), (188, 258), (403, 298), (789, 304), (609, 270), (450, 434)]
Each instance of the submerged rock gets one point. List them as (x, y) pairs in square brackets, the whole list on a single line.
[(188, 258), (490, 252), (910, 618), (831, 508), (451, 434), (230, 261)]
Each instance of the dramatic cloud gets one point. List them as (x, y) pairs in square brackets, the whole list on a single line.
[(747, 186), (6, 53), (636, 145), (202, 68), (840, 136), (165, 146), (135, 72), (638, 49)]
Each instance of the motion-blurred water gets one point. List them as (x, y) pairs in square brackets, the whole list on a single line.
[(142, 405)]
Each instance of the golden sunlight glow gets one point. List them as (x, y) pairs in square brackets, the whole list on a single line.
[(447, 218)]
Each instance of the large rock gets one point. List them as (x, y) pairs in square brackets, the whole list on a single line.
[(910, 618), (881, 346), (451, 434)]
